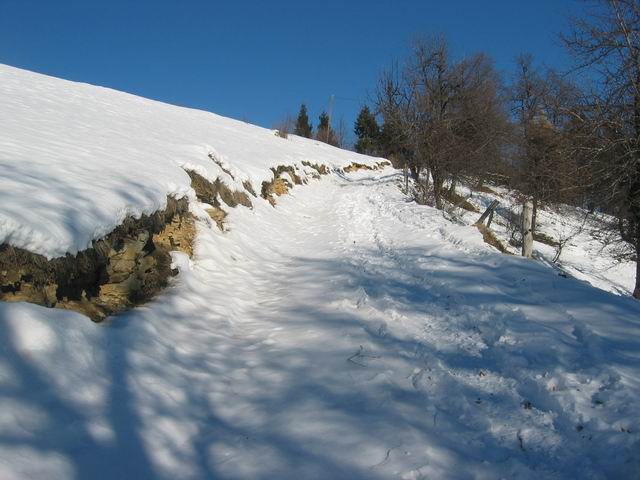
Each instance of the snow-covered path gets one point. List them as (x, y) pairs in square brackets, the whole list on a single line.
[(347, 333)]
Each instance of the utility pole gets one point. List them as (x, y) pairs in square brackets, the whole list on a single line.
[(330, 112)]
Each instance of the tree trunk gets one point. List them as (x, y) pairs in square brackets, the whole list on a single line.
[(437, 190), (452, 187), (534, 214), (406, 178), (527, 232), (636, 291), (635, 187)]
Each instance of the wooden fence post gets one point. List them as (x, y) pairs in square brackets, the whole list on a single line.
[(489, 212), (527, 233)]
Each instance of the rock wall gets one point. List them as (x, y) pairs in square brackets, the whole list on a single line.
[(125, 268), (132, 263)]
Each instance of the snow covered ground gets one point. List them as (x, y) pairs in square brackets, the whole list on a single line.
[(76, 160), (588, 255), (347, 333)]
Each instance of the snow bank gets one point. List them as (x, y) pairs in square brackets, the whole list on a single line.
[(76, 160)]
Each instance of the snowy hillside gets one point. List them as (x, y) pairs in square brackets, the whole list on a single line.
[(75, 159), (587, 253), (348, 333)]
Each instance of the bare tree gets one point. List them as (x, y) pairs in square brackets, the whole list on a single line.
[(546, 161), (440, 116), (284, 127), (341, 134), (607, 43)]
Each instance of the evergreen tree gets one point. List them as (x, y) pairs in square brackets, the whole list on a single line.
[(303, 126), (367, 131), (325, 133)]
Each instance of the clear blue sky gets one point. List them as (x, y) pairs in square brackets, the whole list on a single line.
[(259, 60)]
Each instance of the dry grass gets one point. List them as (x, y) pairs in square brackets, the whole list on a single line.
[(544, 238), (489, 237), (354, 167), (485, 189), (458, 201)]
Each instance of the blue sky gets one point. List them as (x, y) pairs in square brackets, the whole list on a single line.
[(257, 61)]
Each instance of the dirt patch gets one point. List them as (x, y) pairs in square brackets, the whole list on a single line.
[(125, 268), (489, 237)]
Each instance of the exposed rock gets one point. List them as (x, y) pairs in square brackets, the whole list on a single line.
[(359, 166), (354, 167), (125, 268), (217, 214), (219, 163), (275, 188), (247, 186), (132, 263), (177, 235), (208, 192), (280, 185), (280, 169), (321, 169)]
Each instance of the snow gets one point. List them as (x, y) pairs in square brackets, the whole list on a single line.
[(346, 333), (589, 254), (76, 159), (358, 335)]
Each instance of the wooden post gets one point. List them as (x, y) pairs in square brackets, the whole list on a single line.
[(488, 211), (527, 233), (490, 219), (406, 178)]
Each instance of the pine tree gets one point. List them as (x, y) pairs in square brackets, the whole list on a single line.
[(325, 133), (303, 126), (367, 131)]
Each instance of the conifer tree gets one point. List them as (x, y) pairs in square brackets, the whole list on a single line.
[(368, 132), (325, 133), (303, 126)]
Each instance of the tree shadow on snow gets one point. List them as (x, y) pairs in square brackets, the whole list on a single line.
[(352, 395)]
